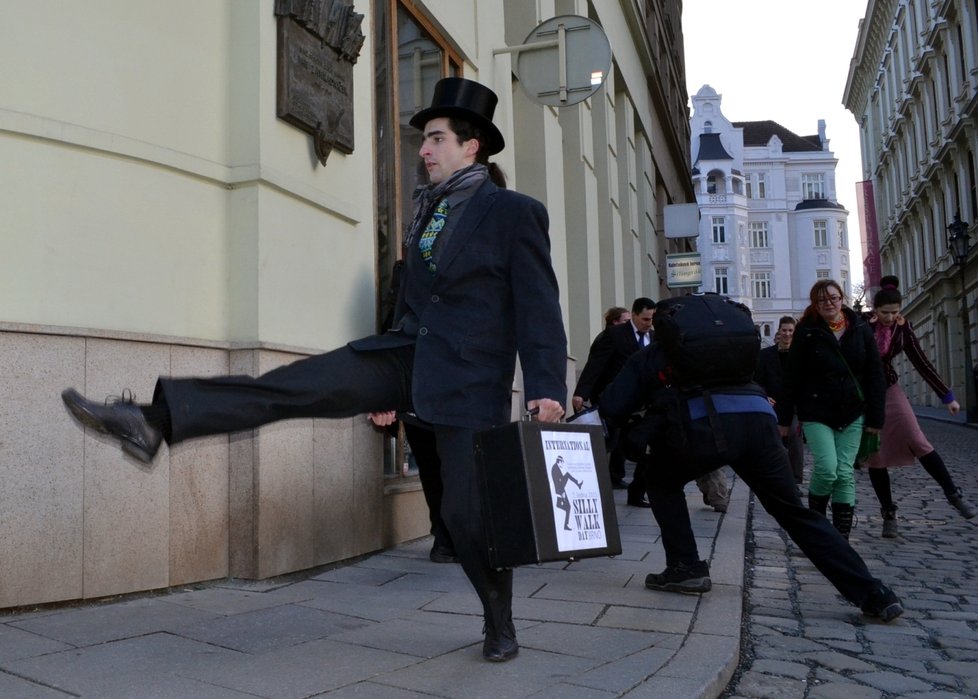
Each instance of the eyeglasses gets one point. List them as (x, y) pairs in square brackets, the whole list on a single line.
[(829, 300)]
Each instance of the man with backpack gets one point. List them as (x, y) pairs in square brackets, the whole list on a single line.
[(703, 411)]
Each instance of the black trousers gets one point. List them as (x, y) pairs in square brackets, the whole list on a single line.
[(425, 450), (756, 454), (339, 384)]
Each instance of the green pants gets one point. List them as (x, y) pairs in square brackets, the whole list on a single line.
[(834, 453)]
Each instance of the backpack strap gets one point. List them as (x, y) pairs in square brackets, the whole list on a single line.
[(718, 437)]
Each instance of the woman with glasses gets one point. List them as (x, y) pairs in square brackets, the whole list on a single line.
[(834, 381), (903, 442)]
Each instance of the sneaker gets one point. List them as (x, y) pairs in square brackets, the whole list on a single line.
[(889, 523), (958, 502), (689, 579), (882, 603)]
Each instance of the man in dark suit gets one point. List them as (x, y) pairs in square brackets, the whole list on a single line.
[(478, 289), (611, 348), (770, 375)]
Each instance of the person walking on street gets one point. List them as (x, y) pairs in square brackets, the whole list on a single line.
[(770, 375), (605, 359), (752, 447), (478, 289), (616, 315), (902, 441), (834, 382)]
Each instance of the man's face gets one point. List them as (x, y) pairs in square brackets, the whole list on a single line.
[(785, 333), (441, 151), (643, 320)]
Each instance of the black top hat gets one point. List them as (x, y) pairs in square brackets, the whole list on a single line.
[(468, 100)]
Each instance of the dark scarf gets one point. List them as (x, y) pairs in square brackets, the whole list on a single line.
[(426, 197)]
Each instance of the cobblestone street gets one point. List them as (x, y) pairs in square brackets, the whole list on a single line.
[(801, 639)]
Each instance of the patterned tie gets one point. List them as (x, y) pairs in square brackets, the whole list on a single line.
[(427, 242)]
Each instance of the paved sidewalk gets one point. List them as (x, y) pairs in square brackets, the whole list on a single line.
[(395, 625)]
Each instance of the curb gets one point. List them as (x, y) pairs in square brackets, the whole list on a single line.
[(705, 663)]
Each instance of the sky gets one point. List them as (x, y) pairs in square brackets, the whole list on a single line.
[(787, 61)]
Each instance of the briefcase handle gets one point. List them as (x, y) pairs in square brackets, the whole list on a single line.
[(528, 415)]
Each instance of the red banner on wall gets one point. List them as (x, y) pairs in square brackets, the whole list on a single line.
[(872, 265)]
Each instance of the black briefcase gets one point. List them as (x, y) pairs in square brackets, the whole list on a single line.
[(546, 493)]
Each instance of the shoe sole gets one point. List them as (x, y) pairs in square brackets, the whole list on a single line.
[(438, 558), (89, 420), (82, 414), (694, 586), (503, 657), (890, 612)]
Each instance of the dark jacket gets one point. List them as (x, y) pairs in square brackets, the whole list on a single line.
[(770, 372), (818, 384), (494, 296), (609, 351)]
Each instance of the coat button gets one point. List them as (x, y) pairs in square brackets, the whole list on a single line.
[(434, 298), (423, 331)]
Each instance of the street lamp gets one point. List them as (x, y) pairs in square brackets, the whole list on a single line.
[(960, 247)]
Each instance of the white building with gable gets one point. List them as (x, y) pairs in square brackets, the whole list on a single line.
[(770, 221)]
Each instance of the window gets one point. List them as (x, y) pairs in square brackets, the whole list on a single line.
[(720, 284), (843, 236), (760, 185), (748, 190), (821, 274), (410, 56), (719, 230), (821, 233), (758, 234), (761, 284), (844, 281), (812, 186), (708, 127), (711, 184)]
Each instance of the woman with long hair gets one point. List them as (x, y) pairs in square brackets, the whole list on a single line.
[(834, 381), (903, 442)]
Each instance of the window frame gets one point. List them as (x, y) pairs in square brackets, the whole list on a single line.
[(718, 226), (721, 274), (391, 208), (761, 285), (820, 232), (759, 233), (812, 183)]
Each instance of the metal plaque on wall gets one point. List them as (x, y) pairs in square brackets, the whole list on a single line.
[(318, 44)]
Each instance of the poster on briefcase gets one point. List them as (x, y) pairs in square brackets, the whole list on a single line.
[(576, 498)]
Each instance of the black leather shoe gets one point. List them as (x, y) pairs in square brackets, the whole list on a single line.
[(638, 502), (121, 419), (442, 554), (498, 648)]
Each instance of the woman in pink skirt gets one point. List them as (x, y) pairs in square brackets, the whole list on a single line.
[(902, 441)]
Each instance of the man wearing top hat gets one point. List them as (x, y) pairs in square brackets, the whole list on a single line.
[(478, 289)]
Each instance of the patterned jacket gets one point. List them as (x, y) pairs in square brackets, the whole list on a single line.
[(905, 340)]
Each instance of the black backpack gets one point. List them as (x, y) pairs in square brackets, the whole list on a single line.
[(709, 340)]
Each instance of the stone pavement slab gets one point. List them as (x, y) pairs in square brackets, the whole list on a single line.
[(395, 625)]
